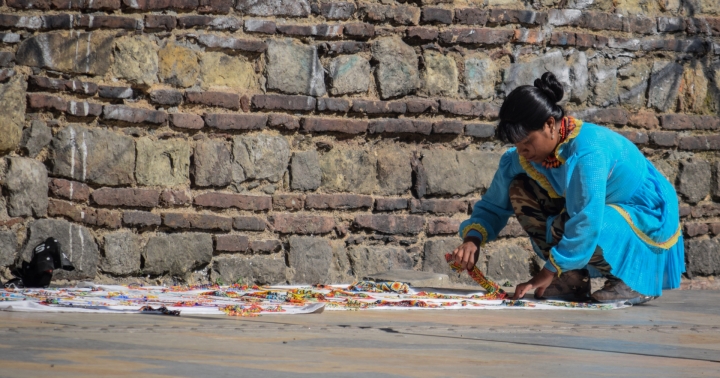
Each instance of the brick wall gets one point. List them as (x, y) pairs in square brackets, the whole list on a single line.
[(318, 141)]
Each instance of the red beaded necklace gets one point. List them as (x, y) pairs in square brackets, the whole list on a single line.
[(566, 127)]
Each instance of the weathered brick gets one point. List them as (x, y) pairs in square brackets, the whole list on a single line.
[(562, 38), (689, 122), (670, 24), (678, 45), (260, 26), (664, 138), (339, 125), (219, 99), (344, 47), (197, 221), (236, 121), (29, 4), (266, 246), (72, 190), (186, 121), (171, 197), (471, 16), (43, 101), (161, 4), (709, 26), (400, 14), (714, 228), (140, 219), (283, 102), (685, 211), (108, 219), (470, 108), (6, 73), (611, 116), (475, 36), (700, 143), (118, 93), (302, 224), (422, 106), (637, 137), (602, 21), (283, 121), (245, 103), (194, 21), (443, 226), (338, 105), (133, 115), (320, 30), (639, 24), (126, 197), (238, 201), (341, 10), (215, 6), (422, 34), (391, 204), (437, 15), (219, 41), (516, 16), (170, 97), (81, 87), (590, 40), (11, 21), (69, 210), (7, 58), (105, 5), (288, 202), (646, 120), (249, 224), (447, 127), (160, 21), (337, 201), (359, 30), (438, 206), (107, 22), (391, 224), (231, 243), (480, 130), (379, 107), (84, 109), (400, 126), (11, 222), (695, 229), (57, 21)]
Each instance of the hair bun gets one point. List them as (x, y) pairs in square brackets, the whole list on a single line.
[(550, 85)]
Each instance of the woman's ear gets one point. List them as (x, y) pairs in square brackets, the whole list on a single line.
[(550, 127)]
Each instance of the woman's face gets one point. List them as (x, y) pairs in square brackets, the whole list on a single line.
[(539, 144)]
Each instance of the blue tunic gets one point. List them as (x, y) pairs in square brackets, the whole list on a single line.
[(615, 198)]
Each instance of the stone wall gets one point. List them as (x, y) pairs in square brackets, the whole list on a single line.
[(316, 141)]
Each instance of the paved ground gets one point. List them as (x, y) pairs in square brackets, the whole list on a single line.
[(675, 336)]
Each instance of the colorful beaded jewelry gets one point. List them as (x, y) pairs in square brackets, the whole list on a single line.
[(566, 127)]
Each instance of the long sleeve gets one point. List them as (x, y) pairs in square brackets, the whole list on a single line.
[(491, 213), (586, 182)]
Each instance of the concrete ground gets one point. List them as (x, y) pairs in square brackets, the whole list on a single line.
[(677, 335)]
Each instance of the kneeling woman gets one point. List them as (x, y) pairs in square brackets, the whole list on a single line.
[(586, 196)]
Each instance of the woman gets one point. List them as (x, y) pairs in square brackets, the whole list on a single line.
[(586, 196)]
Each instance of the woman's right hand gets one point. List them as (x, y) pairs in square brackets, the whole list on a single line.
[(466, 255)]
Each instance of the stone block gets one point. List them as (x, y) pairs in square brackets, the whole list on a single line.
[(646, 120), (480, 130), (218, 69), (391, 204), (391, 224), (13, 100), (337, 105), (438, 206), (35, 138), (160, 21), (223, 121), (664, 138), (397, 71), (508, 262), (665, 83), (133, 115), (434, 262), (288, 202), (379, 107), (399, 14), (471, 16), (310, 259), (413, 278), (477, 36), (394, 173), (76, 242), (283, 102), (318, 30), (702, 256), (700, 143), (212, 163), (162, 162), (470, 108), (238, 201), (231, 243), (121, 253), (8, 248), (459, 173), (348, 170), (190, 251), (448, 127), (260, 26), (695, 229), (695, 179), (113, 92), (480, 76), (349, 74), (261, 270), (400, 126), (129, 197), (294, 68), (72, 190), (266, 246), (422, 106), (443, 226), (249, 224), (26, 182), (186, 121), (215, 6), (197, 221), (368, 260), (169, 97), (337, 201), (359, 30), (170, 197), (279, 8), (334, 10), (437, 15), (178, 65), (422, 34), (108, 22), (524, 73), (302, 224), (305, 173), (283, 121), (136, 60), (260, 157), (440, 77), (48, 50), (141, 219)]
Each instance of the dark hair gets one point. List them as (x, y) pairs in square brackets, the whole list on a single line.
[(527, 108)]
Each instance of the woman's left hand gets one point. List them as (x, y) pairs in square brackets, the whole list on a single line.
[(540, 282)]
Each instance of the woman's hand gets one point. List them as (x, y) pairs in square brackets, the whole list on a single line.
[(466, 255), (540, 282)]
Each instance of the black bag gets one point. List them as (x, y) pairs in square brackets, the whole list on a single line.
[(47, 257)]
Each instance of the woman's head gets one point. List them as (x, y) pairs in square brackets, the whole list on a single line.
[(530, 117)]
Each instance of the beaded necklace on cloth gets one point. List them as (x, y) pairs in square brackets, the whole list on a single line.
[(566, 128)]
